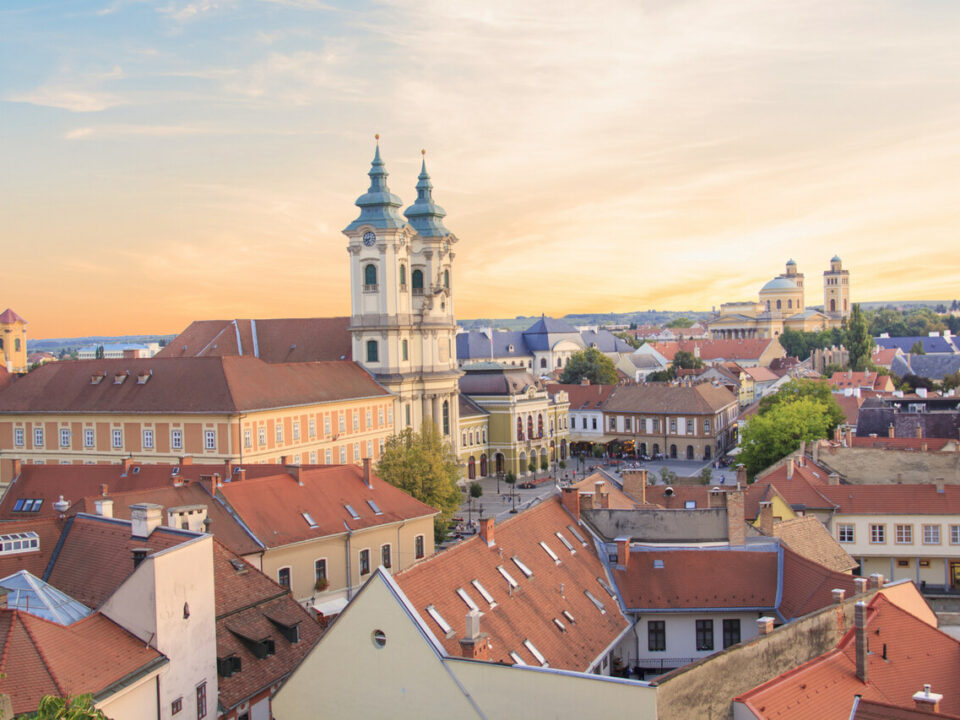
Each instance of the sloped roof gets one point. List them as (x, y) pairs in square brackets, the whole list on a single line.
[(665, 398), (900, 443), (583, 397), (476, 344), (935, 367), (894, 499), (807, 537), (468, 408), (8, 316), (850, 404), (808, 585), (867, 379), (872, 710), (495, 379), (934, 344), (30, 594), (527, 612), (605, 341), (549, 325), (804, 489), (617, 498), (274, 340), (715, 350), (885, 356), (272, 507), (35, 562), (185, 385), (761, 374), (39, 657), (6, 378)]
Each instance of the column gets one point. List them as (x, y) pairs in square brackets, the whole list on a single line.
[(437, 413)]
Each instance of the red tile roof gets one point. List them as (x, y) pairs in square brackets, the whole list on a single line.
[(529, 611), (583, 397), (808, 537), (745, 349), (804, 489), (39, 657), (885, 356), (6, 378), (9, 316), (272, 506), (870, 710), (48, 532), (275, 340), (869, 380), (761, 374), (895, 443), (808, 586), (894, 499), (705, 398), (850, 404), (824, 688), (617, 499)]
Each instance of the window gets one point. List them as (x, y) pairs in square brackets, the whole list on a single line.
[(326, 424), (594, 422), (673, 426), (320, 570), (419, 552), (343, 454), (89, 437), (18, 437), (176, 706), (845, 533), (176, 439), (704, 634), (64, 437), (201, 700), (38, 437), (356, 452), (210, 439), (373, 354), (731, 632), (148, 439), (955, 534), (385, 556), (370, 278), (313, 428), (342, 422), (706, 425), (262, 435), (283, 577), (328, 457), (931, 534), (364, 562), (278, 432), (446, 279), (878, 534), (626, 424), (689, 430), (403, 276), (369, 448), (369, 419), (416, 280), (403, 349), (656, 635), (446, 417), (296, 430), (247, 438), (904, 534), (117, 438)]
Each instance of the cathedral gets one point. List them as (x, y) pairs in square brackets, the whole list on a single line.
[(781, 305)]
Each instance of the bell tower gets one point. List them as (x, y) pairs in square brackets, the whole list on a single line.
[(402, 318), (836, 291)]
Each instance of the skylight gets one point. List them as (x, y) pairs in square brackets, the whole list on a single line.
[(523, 568), (483, 592), (506, 576), (595, 602), (467, 599), (19, 542), (566, 543), (353, 513), (563, 628), (517, 660), (373, 506), (309, 518), (536, 653), (27, 504), (577, 535), (551, 553), (438, 618), (606, 587), (567, 614), (658, 564)]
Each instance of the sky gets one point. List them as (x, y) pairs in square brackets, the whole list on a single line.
[(198, 159)]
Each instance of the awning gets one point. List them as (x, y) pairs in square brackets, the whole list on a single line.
[(602, 439), (331, 606)]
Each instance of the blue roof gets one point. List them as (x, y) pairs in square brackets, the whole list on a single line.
[(378, 206), (935, 344), (779, 284), (476, 344), (28, 593), (425, 215), (934, 367), (542, 335), (835, 258), (791, 261), (605, 341)]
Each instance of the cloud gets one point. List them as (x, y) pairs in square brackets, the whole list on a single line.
[(120, 130), (182, 12), (74, 99)]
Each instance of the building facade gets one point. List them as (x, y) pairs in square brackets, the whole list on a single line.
[(13, 342)]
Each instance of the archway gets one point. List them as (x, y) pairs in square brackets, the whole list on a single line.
[(833, 305), (643, 448), (498, 462), (523, 463), (471, 468), (563, 449), (689, 452), (673, 451), (656, 448), (483, 465), (707, 453)]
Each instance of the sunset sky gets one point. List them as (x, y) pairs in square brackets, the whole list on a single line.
[(164, 162)]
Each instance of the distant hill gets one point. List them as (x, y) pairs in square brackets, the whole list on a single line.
[(58, 345)]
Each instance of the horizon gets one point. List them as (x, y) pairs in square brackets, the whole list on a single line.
[(193, 160)]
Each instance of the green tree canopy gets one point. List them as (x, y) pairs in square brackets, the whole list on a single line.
[(917, 348), (859, 340), (816, 390), (631, 340), (680, 322), (771, 435), (687, 360), (591, 364), (423, 465), (76, 708)]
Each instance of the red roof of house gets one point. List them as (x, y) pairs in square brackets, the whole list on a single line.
[(901, 443), (825, 687), (6, 378), (39, 657), (761, 374), (48, 532), (894, 499), (871, 710), (850, 404), (884, 357), (275, 340), (9, 316), (272, 506), (808, 586), (743, 349), (527, 612), (869, 380), (195, 384), (804, 488), (584, 397)]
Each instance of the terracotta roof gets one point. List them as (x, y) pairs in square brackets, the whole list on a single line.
[(885, 356), (808, 586), (869, 380), (272, 507), (705, 398), (761, 374), (6, 378), (894, 499), (804, 489), (583, 397), (916, 653), (39, 657), (9, 316), (698, 578), (275, 340), (807, 537), (871, 710), (188, 385), (744, 349), (617, 498), (253, 604), (900, 443), (48, 532), (527, 612), (850, 404)]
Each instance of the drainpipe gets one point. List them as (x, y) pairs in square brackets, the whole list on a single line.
[(349, 574)]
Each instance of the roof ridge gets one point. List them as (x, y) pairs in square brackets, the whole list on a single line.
[(39, 649)]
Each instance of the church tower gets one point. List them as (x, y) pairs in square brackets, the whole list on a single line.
[(836, 291), (13, 341), (402, 319)]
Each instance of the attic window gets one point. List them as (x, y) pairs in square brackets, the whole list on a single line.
[(509, 348), (606, 587), (353, 513), (118, 379), (27, 504), (19, 542), (373, 506), (517, 660), (506, 576), (690, 504), (548, 551), (560, 625), (239, 565), (143, 377), (97, 379), (536, 653), (310, 521), (523, 568), (467, 599), (566, 543), (596, 602), (483, 591), (568, 616), (658, 564), (438, 618), (577, 535), (175, 471)]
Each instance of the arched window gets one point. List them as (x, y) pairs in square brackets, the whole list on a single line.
[(370, 277), (446, 279), (1, 343), (403, 276), (539, 425), (543, 362), (373, 351), (446, 417), (530, 426), (403, 349), (519, 429), (768, 306), (833, 305), (689, 452), (673, 451), (483, 465), (16, 344), (779, 305), (471, 468), (789, 304), (416, 280), (844, 305)]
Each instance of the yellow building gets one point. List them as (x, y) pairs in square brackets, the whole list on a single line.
[(13, 342), (474, 428)]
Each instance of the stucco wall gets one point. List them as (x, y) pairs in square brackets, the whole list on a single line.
[(868, 465), (137, 702)]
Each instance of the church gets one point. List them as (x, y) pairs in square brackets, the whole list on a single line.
[(781, 305)]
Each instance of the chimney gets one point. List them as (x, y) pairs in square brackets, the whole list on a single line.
[(736, 532), (486, 531), (600, 497), (741, 475), (923, 447), (836, 434), (635, 484), (240, 475), (860, 585), (146, 518), (838, 595), (764, 625), (103, 507), (815, 451), (186, 460), (926, 700), (939, 483), (623, 552), (227, 471), (474, 645), (716, 498), (860, 622), (103, 490), (139, 555), (571, 501), (284, 459), (833, 479), (766, 518), (790, 468), (848, 433), (211, 483), (586, 501), (585, 381), (891, 431), (876, 581), (919, 432), (366, 473), (127, 464), (3, 599), (294, 472)]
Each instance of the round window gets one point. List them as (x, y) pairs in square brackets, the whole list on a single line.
[(379, 638)]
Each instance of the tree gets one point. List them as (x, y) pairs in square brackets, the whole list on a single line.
[(591, 364), (816, 390), (680, 322), (667, 475), (544, 464), (532, 466), (771, 435), (630, 340), (76, 708), (859, 341), (917, 348), (951, 382), (705, 475), (99, 352), (422, 465), (687, 360)]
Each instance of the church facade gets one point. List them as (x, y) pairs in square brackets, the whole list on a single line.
[(782, 305)]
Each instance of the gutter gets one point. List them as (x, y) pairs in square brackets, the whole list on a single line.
[(130, 678), (349, 572)]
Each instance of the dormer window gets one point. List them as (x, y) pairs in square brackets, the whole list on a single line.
[(142, 378), (118, 379), (97, 379)]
